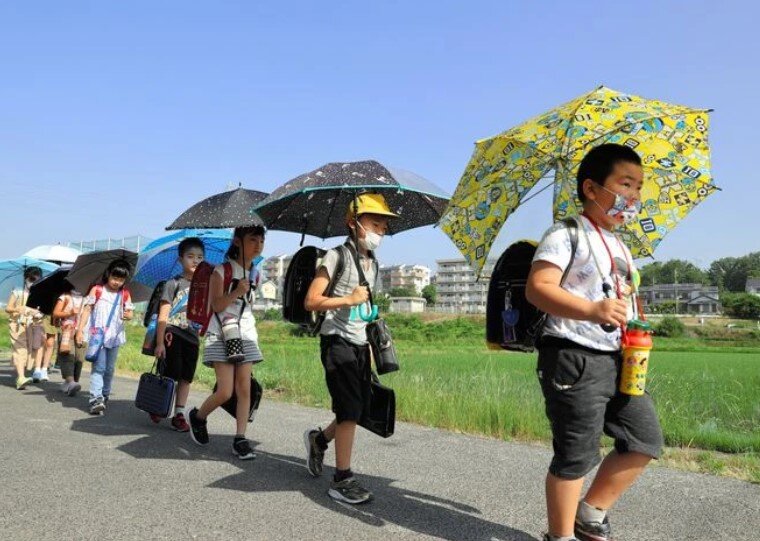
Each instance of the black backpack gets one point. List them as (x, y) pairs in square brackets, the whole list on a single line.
[(154, 303), (298, 278), (512, 323)]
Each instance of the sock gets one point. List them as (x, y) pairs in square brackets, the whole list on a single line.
[(341, 475), (563, 538), (321, 440), (179, 409), (239, 437), (589, 513)]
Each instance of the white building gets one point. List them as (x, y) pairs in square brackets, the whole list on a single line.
[(408, 276), (266, 296), (691, 298), (274, 269), (408, 305), (753, 286), (458, 290)]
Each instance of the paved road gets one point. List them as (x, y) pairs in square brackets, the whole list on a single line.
[(67, 475)]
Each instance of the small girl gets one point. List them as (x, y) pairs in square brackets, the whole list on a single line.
[(70, 355), (231, 345), (25, 328), (100, 303)]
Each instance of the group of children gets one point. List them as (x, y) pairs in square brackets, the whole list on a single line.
[(578, 365)]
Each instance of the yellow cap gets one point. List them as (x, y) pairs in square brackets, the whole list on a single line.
[(370, 203)]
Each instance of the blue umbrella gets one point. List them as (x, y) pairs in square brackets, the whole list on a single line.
[(159, 260), (12, 273)]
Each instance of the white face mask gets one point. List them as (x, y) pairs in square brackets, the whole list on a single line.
[(371, 240)]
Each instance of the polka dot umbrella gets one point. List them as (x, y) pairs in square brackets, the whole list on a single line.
[(229, 209)]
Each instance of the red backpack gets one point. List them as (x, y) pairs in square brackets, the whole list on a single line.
[(125, 295), (199, 309)]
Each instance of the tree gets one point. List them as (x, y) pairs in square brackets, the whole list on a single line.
[(672, 271), (430, 293), (731, 273), (402, 292), (382, 301), (741, 305)]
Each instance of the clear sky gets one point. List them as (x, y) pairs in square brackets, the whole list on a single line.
[(116, 116)]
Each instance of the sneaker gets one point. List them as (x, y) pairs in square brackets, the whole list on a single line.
[(44, 375), (593, 531), (97, 406), (65, 387), (198, 431), (349, 491), (179, 423), (22, 382), (242, 450), (105, 400), (548, 537), (36, 376), (155, 418), (73, 389), (314, 455)]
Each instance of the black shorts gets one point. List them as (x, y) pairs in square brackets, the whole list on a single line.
[(580, 387), (181, 357), (347, 373)]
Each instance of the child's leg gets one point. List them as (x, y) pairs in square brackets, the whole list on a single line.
[(111, 356), (79, 353), (344, 444), (97, 375), (66, 362), (562, 497), (616, 474), (225, 382), (243, 393), (19, 345), (49, 348)]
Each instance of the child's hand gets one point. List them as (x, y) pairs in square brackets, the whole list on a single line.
[(610, 312), (79, 338), (160, 351), (242, 289), (360, 295)]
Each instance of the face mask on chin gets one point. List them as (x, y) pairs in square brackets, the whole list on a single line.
[(371, 240), (627, 209)]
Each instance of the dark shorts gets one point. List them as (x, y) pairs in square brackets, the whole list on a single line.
[(347, 373), (181, 357), (582, 402)]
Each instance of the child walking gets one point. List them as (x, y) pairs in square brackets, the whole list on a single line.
[(110, 300), (70, 355), (344, 349), (25, 328), (176, 339), (232, 342), (579, 358)]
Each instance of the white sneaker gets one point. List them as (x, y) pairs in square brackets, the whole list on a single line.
[(36, 376), (44, 375)]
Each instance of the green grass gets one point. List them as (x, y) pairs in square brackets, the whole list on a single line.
[(707, 395)]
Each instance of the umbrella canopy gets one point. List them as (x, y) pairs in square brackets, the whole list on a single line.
[(671, 139), (44, 293), (228, 209), (12, 273), (159, 260), (88, 269), (316, 203), (55, 253)]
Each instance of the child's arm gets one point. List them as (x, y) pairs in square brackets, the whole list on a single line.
[(221, 300), (316, 301), (128, 315), (84, 319), (544, 291), (11, 307), (60, 313), (163, 317)]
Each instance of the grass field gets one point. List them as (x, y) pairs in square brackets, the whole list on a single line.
[(707, 392)]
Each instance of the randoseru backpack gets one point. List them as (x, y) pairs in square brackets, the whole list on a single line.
[(298, 278), (512, 323)]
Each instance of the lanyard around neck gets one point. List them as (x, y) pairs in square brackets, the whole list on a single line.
[(609, 253)]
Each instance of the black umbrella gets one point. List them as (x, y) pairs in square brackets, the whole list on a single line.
[(88, 269), (44, 293), (316, 203), (224, 210)]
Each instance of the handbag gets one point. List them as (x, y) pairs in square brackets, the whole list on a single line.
[(156, 393), (378, 333), (379, 417), (97, 338), (256, 393)]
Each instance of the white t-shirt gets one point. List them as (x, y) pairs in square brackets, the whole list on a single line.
[(115, 335), (247, 319), (584, 279)]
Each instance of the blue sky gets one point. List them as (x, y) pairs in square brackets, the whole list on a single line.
[(116, 116)]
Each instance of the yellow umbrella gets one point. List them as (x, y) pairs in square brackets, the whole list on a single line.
[(671, 140)]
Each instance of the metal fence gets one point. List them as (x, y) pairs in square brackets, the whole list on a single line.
[(134, 243)]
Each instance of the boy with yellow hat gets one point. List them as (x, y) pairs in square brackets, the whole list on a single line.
[(344, 348)]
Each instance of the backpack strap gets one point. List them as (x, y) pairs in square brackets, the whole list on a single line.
[(227, 268), (340, 267), (572, 225)]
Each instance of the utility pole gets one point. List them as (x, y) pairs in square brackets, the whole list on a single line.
[(675, 280)]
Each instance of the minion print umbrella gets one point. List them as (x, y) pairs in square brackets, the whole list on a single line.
[(503, 170)]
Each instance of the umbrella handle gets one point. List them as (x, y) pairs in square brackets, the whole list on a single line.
[(369, 315)]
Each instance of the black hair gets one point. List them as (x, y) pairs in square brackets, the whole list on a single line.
[(240, 233), (32, 271), (119, 268), (599, 162), (188, 243)]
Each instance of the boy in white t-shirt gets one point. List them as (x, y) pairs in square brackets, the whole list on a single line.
[(579, 351)]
